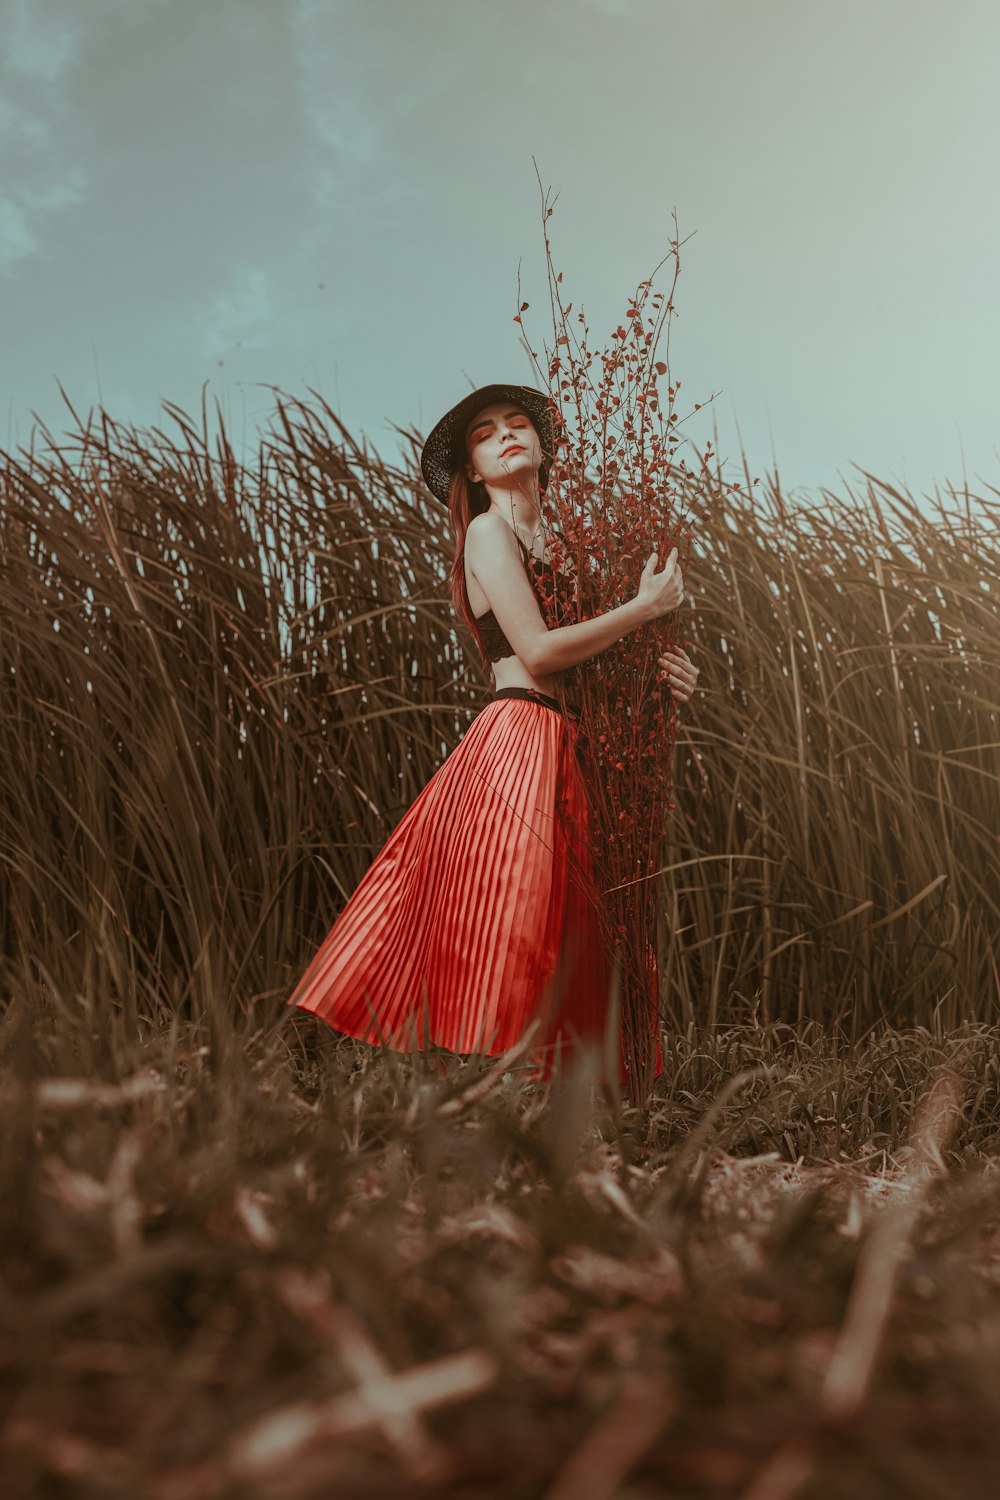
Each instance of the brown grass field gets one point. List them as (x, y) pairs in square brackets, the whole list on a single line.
[(244, 1257)]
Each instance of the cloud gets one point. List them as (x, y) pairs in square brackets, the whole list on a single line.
[(37, 46), (35, 49), (618, 7), (336, 108), (236, 316), (16, 239), (30, 201), (361, 73)]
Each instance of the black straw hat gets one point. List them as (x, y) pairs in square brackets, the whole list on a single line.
[(444, 451)]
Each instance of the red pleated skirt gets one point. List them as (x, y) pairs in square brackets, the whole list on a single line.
[(480, 913)]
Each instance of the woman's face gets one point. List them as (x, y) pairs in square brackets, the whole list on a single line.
[(501, 441)]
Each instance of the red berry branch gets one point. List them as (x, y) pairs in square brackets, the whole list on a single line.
[(617, 491)]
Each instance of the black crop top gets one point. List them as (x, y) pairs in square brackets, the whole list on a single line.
[(495, 643)]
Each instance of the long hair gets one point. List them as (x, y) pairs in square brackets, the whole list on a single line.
[(467, 498)]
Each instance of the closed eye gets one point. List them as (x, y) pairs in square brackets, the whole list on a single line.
[(478, 433)]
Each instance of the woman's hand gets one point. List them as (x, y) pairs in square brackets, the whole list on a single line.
[(659, 593), (680, 672)]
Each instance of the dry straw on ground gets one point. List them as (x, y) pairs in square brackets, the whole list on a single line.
[(295, 1267)]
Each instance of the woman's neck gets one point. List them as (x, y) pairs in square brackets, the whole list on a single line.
[(516, 510)]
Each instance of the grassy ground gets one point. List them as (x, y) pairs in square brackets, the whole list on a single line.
[(283, 1265)]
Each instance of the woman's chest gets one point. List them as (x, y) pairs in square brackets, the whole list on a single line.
[(552, 584), (550, 571)]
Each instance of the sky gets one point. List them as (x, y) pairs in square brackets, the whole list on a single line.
[(342, 194)]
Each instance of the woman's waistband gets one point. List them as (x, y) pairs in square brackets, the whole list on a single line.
[(534, 696)]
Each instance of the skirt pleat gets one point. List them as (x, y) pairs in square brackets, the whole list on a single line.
[(480, 913)]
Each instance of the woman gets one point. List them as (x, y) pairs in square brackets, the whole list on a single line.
[(478, 918)]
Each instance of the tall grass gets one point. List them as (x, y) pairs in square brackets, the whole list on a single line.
[(222, 687), (843, 777)]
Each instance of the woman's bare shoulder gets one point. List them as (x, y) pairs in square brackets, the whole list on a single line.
[(491, 530), (485, 523)]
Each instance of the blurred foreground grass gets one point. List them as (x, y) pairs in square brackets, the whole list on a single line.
[(281, 1264)]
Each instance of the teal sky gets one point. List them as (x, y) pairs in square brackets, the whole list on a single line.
[(337, 194)]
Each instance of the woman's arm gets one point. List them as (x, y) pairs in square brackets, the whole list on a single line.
[(567, 645), (492, 551)]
